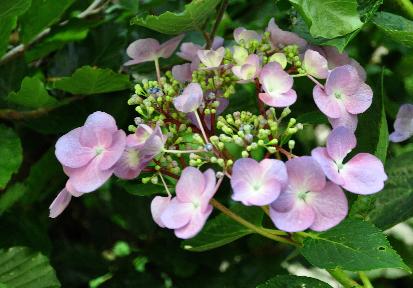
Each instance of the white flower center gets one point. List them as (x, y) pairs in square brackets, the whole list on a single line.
[(132, 157), (99, 150)]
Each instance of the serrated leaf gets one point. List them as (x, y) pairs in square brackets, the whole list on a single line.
[(395, 27), (291, 281), (222, 230), (340, 16), (13, 8), (192, 18), (11, 154), (41, 15), (394, 203), (88, 80), (21, 267), (353, 245), (32, 94)]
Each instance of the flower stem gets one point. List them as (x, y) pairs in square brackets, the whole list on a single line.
[(158, 70), (343, 278), (201, 126), (220, 14), (164, 184), (365, 280), (183, 151), (262, 231), (406, 6), (315, 81)]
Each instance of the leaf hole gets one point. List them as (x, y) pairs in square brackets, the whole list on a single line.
[(381, 248)]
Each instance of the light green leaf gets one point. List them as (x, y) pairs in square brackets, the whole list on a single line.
[(353, 245), (32, 94), (11, 196), (13, 8), (192, 18), (11, 154), (222, 230), (88, 80), (291, 281), (395, 27), (41, 15), (340, 16), (23, 268), (394, 203)]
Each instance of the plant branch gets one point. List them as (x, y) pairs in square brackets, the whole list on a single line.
[(365, 280), (220, 14), (343, 278)]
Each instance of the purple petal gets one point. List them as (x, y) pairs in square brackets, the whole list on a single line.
[(138, 139), (242, 34), (397, 136), (158, 206), (70, 152), (182, 73), (274, 169), (154, 144), (195, 225), (403, 124), (280, 38), (191, 185), (60, 203), (190, 99), (327, 164), (282, 100), (327, 104), (177, 214), (113, 153), (129, 165), (305, 174), (343, 80), (209, 190), (274, 79), (94, 137), (218, 42), (142, 50), (346, 120), (168, 47), (340, 142), (189, 51), (315, 64), (69, 187), (330, 207), (359, 101), (299, 218), (364, 174)]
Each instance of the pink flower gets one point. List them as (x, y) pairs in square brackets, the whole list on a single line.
[(348, 120), (182, 73), (309, 201), (211, 58), (141, 148), (148, 49), (258, 183), (344, 93), (188, 211), (158, 206), (249, 69), (277, 85), (190, 99), (315, 64), (362, 174), (189, 50), (403, 126), (246, 36), (280, 38)]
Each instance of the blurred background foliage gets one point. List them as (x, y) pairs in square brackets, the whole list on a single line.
[(62, 60)]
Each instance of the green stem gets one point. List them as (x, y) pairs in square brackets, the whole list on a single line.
[(242, 221), (365, 280), (158, 70), (183, 151), (343, 278), (406, 6)]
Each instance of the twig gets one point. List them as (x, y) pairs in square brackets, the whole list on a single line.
[(220, 14)]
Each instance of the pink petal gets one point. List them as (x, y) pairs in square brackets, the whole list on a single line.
[(60, 203), (189, 51), (330, 207), (142, 50), (299, 218), (195, 225), (340, 142), (177, 214), (218, 42), (359, 101), (274, 79), (158, 206), (364, 174), (346, 120), (182, 73), (327, 164), (190, 99), (168, 47), (209, 190), (70, 152), (154, 144), (397, 136), (69, 187), (138, 139), (276, 169), (343, 79), (245, 35), (282, 100), (315, 64), (190, 186), (113, 153), (305, 174), (280, 38), (129, 165), (101, 120), (327, 104), (403, 124), (95, 137), (285, 201)]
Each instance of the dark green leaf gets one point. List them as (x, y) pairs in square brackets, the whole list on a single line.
[(7, 25), (13, 8), (140, 189), (11, 196), (352, 245), (11, 154), (192, 18), (88, 80), (32, 94), (223, 230), (314, 117), (24, 268), (395, 27), (290, 281)]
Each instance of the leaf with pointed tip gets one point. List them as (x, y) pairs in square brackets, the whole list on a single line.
[(291, 281)]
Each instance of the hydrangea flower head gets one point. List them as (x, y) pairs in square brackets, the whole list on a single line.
[(188, 211), (149, 49), (277, 85), (257, 183), (362, 174), (403, 126), (309, 201), (190, 99)]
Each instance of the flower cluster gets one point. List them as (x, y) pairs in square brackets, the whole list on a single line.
[(181, 128)]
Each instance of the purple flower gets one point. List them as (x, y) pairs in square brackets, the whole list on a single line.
[(190, 99), (246, 36), (403, 126), (62, 200), (257, 183), (315, 64), (182, 73), (344, 93), (141, 148), (277, 85), (309, 201), (211, 58), (188, 211), (362, 174), (280, 38), (249, 69), (148, 49)]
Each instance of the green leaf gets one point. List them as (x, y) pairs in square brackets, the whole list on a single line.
[(192, 18), (13, 8), (11, 196), (290, 281), (222, 230), (314, 117), (7, 25), (395, 27), (340, 16), (353, 245), (32, 94), (21, 267), (41, 15), (394, 203), (140, 189), (88, 80), (11, 154)]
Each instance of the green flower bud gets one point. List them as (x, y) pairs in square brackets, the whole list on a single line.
[(291, 144), (244, 154)]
